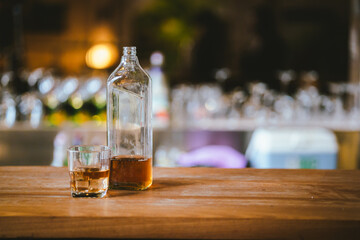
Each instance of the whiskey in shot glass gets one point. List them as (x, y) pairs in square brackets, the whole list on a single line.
[(89, 170)]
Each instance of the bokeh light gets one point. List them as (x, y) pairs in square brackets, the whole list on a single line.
[(101, 56)]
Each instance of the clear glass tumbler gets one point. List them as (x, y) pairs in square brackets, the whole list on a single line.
[(89, 170)]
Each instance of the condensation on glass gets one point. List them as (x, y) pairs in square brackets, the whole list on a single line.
[(129, 129)]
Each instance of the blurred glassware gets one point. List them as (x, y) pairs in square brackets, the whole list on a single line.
[(30, 109), (337, 91), (307, 101), (180, 98), (205, 106), (86, 91), (35, 76), (5, 79), (55, 93), (67, 87), (307, 97), (7, 109), (283, 107), (99, 101), (210, 99), (237, 99), (81, 99), (253, 107), (327, 106), (46, 82), (80, 104), (100, 98), (7, 102), (222, 74), (285, 77)]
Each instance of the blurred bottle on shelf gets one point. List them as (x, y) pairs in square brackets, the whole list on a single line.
[(30, 105), (349, 139), (55, 99), (81, 105), (73, 99), (20, 103), (160, 91), (7, 103), (99, 101), (46, 85), (29, 108)]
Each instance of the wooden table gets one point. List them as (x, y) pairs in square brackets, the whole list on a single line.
[(186, 203)]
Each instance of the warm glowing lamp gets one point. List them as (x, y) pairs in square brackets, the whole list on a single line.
[(101, 56)]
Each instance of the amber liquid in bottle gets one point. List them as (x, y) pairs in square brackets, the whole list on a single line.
[(130, 172)]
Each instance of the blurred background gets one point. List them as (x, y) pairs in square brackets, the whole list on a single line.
[(264, 83)]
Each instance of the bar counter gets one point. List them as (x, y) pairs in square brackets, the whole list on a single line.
[(185, 203)]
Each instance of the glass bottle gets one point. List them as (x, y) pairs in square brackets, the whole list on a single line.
[(129, 129)]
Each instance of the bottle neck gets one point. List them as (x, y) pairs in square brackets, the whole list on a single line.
[(129, 55), (129, 59)]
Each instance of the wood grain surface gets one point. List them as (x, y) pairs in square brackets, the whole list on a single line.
[(186, 203)]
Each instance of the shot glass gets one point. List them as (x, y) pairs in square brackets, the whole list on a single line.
[(89, 170)]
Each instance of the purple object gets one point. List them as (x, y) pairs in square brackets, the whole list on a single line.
[(213, 156)]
